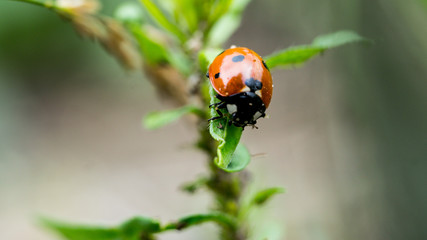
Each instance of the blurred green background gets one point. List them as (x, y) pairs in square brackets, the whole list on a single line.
[(347, 133)]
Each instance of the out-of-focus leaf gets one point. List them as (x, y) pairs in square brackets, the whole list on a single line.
[(300, 54), (129, 12), (156, 53), (223, 29), (152, 51), (239, 160), (136, 227), (292, 56), (262, 196), (219, 8), (227, 135), (167, 5), (186, 11), (204, 9), (180, 61), (337, 39), (156, 120), (193, 186), (206, 56), (74, 232), (162, 20), (38, 2), (220, 218), (225, 26), (132, 229)]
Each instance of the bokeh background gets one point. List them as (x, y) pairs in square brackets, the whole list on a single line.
[(347, 134)]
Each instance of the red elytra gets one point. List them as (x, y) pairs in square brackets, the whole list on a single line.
[(232, 68)]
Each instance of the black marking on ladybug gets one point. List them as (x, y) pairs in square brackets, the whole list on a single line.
[(253, 85), (217, 75), (265, 65), (207, 74), (249, 107), (238, 58)]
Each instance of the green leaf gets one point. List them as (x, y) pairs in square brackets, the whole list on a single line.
[(186, 12), (156, 120), (218, 10), (239, 160), (43, 3), (180, 60), (225, 26), (162, 20), (167, 5), (262, 196), (227, 135), (220, 218), (192, 187), (152, 51), (300, 54), (129, 12), (76, 232), (292, 56), (138, 226), (223, 29), (337, 39), (133, 229)]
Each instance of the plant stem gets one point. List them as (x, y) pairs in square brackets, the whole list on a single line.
[(226, 187)]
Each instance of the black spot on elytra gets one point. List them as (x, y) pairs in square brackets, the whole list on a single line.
[(238, 58), (253, 84), (217, 75), (265, 65)]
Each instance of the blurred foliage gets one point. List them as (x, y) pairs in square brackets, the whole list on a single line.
[(188, 221), (262, 196), (138, 228), (300, 54), (156, 120)]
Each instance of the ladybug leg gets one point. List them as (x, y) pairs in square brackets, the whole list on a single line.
[(217, 117), (215, 104), (217, 107), (221, 104)]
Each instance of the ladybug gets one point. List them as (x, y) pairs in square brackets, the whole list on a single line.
[(243, 84)]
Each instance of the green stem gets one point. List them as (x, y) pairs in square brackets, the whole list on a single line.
[(226, 188)]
